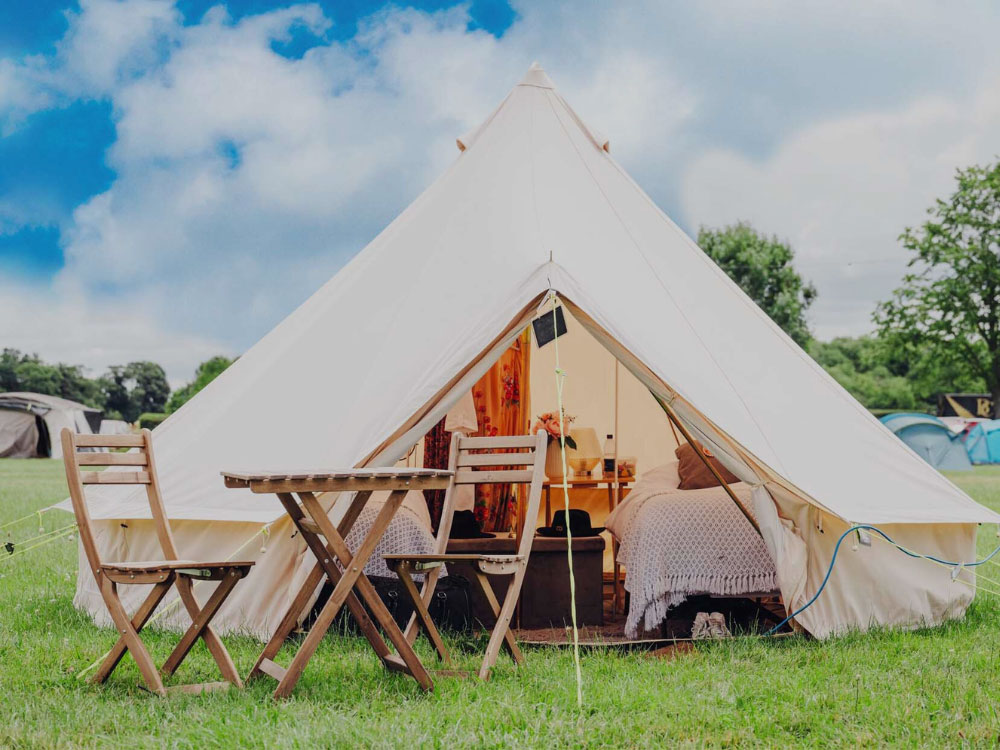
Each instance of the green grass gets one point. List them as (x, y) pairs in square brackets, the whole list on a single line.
[(932, 687)]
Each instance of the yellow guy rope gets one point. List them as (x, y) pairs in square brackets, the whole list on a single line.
[(25, 518), (59, 534), (19, 542), (560, 377)]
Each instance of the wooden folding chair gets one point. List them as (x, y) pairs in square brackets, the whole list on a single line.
[(473, 461), (163, 574)]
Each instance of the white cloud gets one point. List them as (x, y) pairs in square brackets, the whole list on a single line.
[(67, 328), (244, 179), (843, 191), (107, 42)]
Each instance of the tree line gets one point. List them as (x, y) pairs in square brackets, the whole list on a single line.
[(123, 392), (938, 332)]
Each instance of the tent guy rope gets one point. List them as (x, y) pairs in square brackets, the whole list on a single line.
[(560, 379), (21, 542), (50, 538), (16, 521)]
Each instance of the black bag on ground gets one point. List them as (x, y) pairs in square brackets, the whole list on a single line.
[(450, 607)]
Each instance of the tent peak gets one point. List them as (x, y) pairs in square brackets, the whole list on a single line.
[(537, 77)]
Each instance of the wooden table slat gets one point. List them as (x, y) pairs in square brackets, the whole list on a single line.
[(362, 473)]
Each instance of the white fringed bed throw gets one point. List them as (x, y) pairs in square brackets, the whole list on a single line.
[(680, 543)]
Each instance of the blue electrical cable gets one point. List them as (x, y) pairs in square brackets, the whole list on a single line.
[(866, 527)]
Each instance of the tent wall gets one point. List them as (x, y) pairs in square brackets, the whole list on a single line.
[(983, 442), (56, 413), (18, 434), (936, 446), (870, 586), (115, 427)]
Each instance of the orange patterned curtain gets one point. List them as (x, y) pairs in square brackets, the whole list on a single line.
[(502, 407)]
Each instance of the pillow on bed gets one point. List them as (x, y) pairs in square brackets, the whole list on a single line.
[(664, 475), (694, 475)]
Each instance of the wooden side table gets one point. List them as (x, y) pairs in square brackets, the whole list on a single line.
[(615, 486)]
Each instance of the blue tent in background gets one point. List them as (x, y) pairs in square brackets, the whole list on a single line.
[(932, 440), (983, 442)]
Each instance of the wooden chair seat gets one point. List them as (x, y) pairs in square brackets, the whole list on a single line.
[(147, 566), (155, 571)]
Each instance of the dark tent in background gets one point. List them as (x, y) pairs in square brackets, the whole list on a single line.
[(30, 424)]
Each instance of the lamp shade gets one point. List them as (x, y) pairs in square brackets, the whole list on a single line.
[(587, 453)]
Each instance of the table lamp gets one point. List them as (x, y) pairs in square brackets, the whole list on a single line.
[(587, 453)]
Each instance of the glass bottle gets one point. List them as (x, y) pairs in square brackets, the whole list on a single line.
[(609, 455)]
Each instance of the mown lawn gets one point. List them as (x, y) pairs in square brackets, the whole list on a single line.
[(929, 688)]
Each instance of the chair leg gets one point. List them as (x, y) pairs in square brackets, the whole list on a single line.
[(501, 635), (200, 627), (420, 612), (130, 634), (426, 592)]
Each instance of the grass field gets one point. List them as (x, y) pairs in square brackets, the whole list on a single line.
[(930, 688)]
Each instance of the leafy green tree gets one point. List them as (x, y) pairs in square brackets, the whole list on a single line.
[(949, 303), (762, 266), (116, 393), (135, 388), (27, 372), (37, 377), (207, 371), (862, 366), (9, 360)]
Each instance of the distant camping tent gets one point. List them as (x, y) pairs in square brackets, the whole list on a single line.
[(30, 423), (931, 439), (534, 209), (983, 442), (115, 427)]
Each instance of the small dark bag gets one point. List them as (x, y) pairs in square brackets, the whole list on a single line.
[(450, 607)]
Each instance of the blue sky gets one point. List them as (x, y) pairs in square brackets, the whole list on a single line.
[(214, 163), (56, 160)]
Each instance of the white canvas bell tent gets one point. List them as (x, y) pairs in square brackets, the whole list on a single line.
[(535, 202)]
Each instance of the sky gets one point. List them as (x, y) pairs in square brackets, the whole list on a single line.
[(177, 176)]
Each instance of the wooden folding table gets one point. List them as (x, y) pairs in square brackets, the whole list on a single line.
[(326, 542)]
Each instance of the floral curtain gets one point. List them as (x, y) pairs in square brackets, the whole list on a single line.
[(502, 408), (501, 405), (437, 442)]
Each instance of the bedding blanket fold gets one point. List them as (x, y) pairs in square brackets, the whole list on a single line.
[(680, 543)]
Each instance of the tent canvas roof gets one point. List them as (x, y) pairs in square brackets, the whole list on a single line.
[(534, 202), (902, 420), (45, 401)]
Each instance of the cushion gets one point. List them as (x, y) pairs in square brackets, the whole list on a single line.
[(694, 475), (665, 475)]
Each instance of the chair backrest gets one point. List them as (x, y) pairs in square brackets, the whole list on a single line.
[(138, 467), (514, 459)]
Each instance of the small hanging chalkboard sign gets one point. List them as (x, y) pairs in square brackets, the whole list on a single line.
[(546, 330)]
